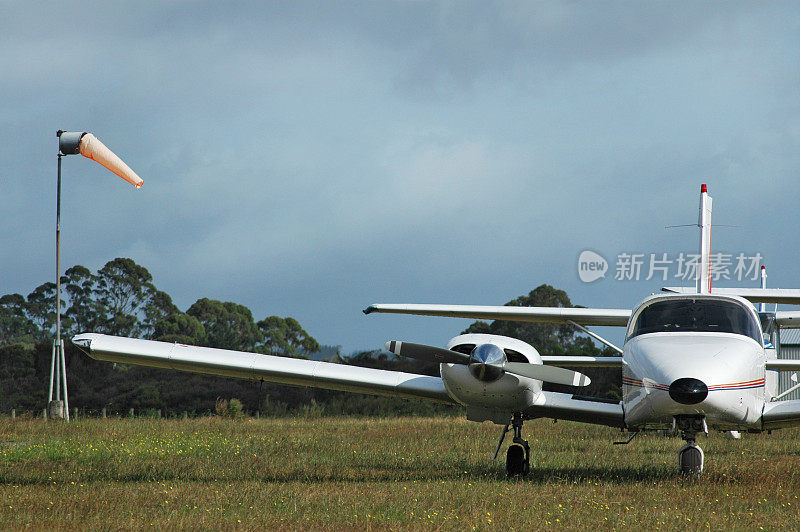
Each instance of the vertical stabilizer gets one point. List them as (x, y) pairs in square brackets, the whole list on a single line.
[(704, 222), (763, 285)]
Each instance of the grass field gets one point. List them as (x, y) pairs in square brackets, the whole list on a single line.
[(350, 473)]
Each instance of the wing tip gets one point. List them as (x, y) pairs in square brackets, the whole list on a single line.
[(83, 341), (369, 310)]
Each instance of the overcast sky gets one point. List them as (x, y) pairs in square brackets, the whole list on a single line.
[(308, 159)]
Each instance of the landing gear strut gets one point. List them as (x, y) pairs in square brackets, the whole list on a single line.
[(690, 456), (519, 453)]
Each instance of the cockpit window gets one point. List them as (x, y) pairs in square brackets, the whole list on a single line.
[(690, 315)]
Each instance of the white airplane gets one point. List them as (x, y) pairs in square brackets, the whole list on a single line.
[(691, 362)]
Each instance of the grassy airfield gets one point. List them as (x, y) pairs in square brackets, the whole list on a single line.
[(351, 473)]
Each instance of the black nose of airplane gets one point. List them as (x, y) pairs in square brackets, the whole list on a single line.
[(688, 391)]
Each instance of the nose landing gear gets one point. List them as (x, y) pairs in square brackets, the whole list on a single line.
[(690, 456), (519, 453)]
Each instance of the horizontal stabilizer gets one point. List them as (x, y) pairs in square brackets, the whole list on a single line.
[(582, 316), (787, 296)]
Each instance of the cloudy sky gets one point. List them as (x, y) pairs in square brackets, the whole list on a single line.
[(308, 159)]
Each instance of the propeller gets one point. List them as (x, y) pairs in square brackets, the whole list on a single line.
[(427, 353), (488, 362)]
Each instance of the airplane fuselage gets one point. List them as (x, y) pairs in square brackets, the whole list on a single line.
[(699, 355)]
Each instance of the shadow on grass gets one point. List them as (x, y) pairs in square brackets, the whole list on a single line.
[(627, 475), (362, 473)]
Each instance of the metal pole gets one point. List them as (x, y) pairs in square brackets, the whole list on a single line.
[(58, 256), (54, 362), (52, 372), (58, 373), (64, 376), (57, 354)]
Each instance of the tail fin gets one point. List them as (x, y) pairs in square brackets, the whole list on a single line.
[(704, 222)]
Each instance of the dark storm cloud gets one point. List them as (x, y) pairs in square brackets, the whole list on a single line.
[(307, 159)]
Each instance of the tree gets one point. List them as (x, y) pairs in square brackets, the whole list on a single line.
[(84, 310), (552, 339), (41, 309), (158, 307), (285, 337), (15, 326), (180, 328), (127, 299), (227, 325), (19, 386), (545, 337)]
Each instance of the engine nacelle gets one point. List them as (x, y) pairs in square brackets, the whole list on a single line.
[(471, 386)]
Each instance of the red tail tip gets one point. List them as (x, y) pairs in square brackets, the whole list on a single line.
[(703, 188), (763, 267)]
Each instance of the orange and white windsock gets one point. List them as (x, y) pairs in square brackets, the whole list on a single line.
[(95, 150)]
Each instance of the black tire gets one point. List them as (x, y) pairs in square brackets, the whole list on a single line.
[(691, 461), (515, 461)]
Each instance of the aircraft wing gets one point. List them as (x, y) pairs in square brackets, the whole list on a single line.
[(556, 405), (582, 316), (787, 319), (778, 414), (253, 366), (790, 296), (583, 362), (783, 364)]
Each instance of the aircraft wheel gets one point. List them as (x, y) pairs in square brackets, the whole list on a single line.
[(690, 459), (516, 464)]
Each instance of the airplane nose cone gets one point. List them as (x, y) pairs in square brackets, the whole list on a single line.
[(485, 362), (688, 391)]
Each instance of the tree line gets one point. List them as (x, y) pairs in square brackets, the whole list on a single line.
[(121, 299)]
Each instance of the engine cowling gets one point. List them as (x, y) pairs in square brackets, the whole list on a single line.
[(481, 385)]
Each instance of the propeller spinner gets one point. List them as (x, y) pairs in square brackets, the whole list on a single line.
[(487, 362)]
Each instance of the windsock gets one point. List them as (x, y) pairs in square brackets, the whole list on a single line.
[(95, 150)]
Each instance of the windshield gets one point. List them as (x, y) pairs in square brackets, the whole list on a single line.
[(689, 315)]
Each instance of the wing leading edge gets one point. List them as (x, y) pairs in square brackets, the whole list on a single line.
[(779, 414), (790, 296), (556, 405), (258, 367), (297, 372), (583, 316)]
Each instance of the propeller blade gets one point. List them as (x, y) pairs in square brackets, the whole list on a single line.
[(550, 374), (427, 353)]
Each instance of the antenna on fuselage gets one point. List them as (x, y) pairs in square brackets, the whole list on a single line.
[(703, 275)]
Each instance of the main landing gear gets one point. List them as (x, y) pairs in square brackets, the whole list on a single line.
[(519, 453), (690, 456)]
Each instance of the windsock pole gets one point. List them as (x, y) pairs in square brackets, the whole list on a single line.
[(58, 366), (72, 143)]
